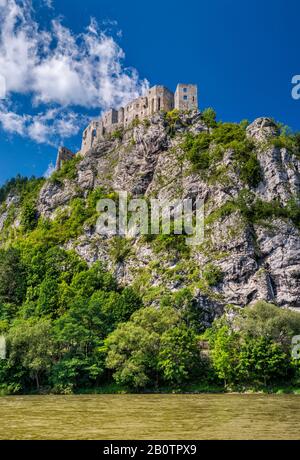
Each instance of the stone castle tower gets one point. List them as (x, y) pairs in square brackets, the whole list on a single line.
[(186, 97), (157, 99)]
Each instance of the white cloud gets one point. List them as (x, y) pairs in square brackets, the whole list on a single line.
[(49, 170), (13, 123), (49, 127), (58, 69)]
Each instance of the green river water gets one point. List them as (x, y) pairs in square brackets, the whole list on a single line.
[(197, 417)]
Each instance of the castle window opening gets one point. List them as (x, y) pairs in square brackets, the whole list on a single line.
[(185, 98), (158, 104), (184, 90)]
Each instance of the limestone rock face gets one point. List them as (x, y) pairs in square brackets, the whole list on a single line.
[(281, 174), (262, 129), (54, 195), (259, 261)]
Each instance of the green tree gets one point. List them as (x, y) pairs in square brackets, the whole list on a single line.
[(224, 354), (133, 348), (179, 357), (12, 277), (263, 361), (266, 320), (30, 345), (96, 278), (209, 117), (29, 216)]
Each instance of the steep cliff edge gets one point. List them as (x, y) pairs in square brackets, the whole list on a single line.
[(249, 178)]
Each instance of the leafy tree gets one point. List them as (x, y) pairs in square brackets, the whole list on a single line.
[(184, 301), (30, 345), (224, 354), (29, 216), (133, 348), (266, 320), (12, 277), (96, 278), (263, 361), (179, 357), (209, 117), (80, 332), (47, 303)]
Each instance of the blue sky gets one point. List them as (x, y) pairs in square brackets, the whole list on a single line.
[(242, 54)]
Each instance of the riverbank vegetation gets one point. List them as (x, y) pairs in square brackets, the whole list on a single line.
[(71, 328)]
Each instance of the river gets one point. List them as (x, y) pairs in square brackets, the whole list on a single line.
[(228, 416)]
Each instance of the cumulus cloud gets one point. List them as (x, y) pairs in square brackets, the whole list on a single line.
[(58, 69), (49, 127)]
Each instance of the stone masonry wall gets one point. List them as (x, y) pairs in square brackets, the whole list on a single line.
[(186, 97), (158, 98), (64, 154)]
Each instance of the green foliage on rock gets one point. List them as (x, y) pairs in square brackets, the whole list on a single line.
[(67, 171), (120, 249), (209, 117), (206, 149), (22, 187), (212, 274), (256, 211)]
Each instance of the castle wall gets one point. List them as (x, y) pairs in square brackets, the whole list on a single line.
[(155, 100), (136, 109), (92, 132), (158, 98), (64, 154), (186, 97)]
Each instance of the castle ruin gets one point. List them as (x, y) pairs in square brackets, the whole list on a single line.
[(157, 99)]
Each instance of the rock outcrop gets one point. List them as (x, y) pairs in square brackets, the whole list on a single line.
[(258, 260)]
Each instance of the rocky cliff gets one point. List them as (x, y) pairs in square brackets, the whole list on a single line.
[(251, 249)]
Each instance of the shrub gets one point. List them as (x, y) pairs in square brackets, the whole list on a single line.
[(120, 249), (209, 117), (67, 171), (171, 119), (117, 134), (174, 243), (205, 150), (197, 149), (212, 274), (29, 216)]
